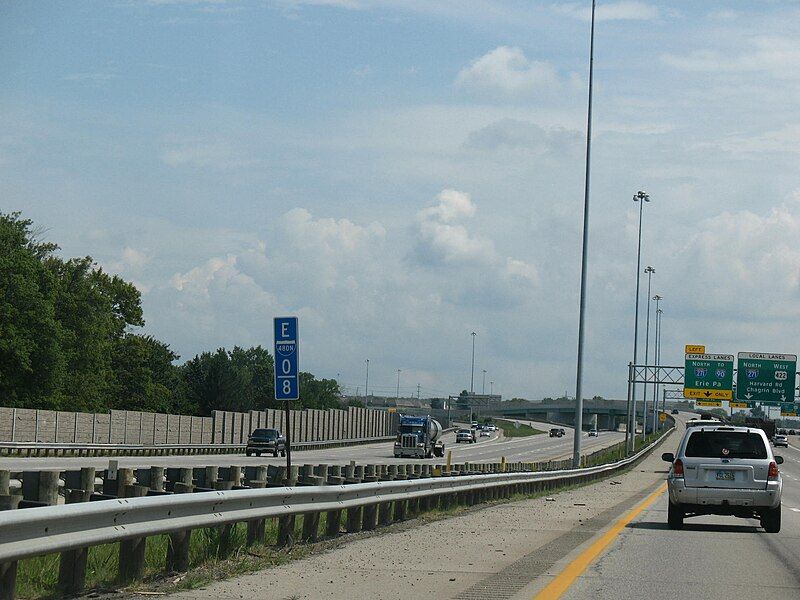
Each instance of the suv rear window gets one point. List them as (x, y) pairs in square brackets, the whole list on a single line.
[(725, 444)]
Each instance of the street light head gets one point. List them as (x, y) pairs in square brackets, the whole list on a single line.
[(640, 195), (657, 297), (649, 270)]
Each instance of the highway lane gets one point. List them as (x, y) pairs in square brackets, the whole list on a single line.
[(531, 448), (713, 557)]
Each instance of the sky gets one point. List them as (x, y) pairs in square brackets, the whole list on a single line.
[(402, 173)]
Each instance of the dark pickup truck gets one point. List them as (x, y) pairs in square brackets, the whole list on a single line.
[(268, 441), (556, 432)]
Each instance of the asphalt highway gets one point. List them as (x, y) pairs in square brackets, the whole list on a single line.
[(491, 449), (722, 558)]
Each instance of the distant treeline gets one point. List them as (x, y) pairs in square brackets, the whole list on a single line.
[(68, 341)]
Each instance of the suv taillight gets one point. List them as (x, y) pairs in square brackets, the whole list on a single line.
[(773, 470), (677, 468)]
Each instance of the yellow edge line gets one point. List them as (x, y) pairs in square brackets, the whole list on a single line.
[(556, 588)]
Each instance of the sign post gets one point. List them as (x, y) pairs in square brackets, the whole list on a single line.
[(287, 373), (708, 378), (766, 378)]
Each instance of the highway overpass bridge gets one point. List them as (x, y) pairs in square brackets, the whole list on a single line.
[(605, 414)]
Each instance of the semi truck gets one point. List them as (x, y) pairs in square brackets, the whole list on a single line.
[(418, 437)]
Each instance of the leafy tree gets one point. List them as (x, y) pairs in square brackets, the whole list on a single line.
[(94, 310), (355, 402), (31, 364), (437, 403), (318, 393), (144, 376)]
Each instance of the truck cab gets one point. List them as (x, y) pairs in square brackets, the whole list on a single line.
[(418, 437)]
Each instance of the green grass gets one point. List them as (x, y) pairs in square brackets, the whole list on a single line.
[(211, 556), (509, 429)]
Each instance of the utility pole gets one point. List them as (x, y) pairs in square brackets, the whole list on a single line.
[(397, 396), (483, 387), (417, 391), (576, 449), (472, 372), (491, 388), (366, 386)]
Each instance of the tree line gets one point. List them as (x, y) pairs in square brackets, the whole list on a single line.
[(70, 340)]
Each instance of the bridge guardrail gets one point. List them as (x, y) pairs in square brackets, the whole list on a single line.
[(72, 528)]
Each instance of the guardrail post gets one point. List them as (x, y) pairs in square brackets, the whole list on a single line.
[(131, 552), (370, 520), (40, 486), (72, 564), (311, 520), (8, 580), (179, 542), (333, 519), (8, 570), (286, 524), (355, 514)]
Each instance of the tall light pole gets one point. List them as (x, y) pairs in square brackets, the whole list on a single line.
[(649, 271), (483, 387), (366, 386), (472, 372), (657, 298), (397, 397), (641, 198), (576, 449)]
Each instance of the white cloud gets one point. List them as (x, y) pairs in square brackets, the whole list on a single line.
[(134, 258), (508, 70), (776, 56), (442, 241), (625, 10)]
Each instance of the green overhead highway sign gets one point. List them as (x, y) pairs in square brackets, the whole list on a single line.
[(766, 378), (708, 377)]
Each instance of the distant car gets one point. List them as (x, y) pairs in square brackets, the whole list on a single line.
[(556, 432), (593, 433), (782, 431), (474, 425), (792, 432), (485, 433), (465, 435), (780, 440), (675, 411), (268, 441), (722, 470), (563, 431)]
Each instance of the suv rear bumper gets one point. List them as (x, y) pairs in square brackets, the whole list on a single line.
[(724, 497)]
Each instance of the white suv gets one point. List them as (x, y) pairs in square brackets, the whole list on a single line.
[(722, 470)]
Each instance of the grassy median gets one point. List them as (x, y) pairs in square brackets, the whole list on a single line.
[(511, 429)]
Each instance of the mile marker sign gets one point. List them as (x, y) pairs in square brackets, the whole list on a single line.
[(766, 378), (287, 383)]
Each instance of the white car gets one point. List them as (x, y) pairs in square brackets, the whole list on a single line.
[(593, 433), (485, 433), (723, 470)]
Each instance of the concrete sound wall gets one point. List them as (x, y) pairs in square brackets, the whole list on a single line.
[(223, 427)]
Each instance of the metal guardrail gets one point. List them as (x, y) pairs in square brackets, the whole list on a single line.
[(37, 531), (48, 448)]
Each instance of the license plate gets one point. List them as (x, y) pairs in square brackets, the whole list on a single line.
[(725, 475)]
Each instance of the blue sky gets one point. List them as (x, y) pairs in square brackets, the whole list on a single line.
[(400, 174)]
